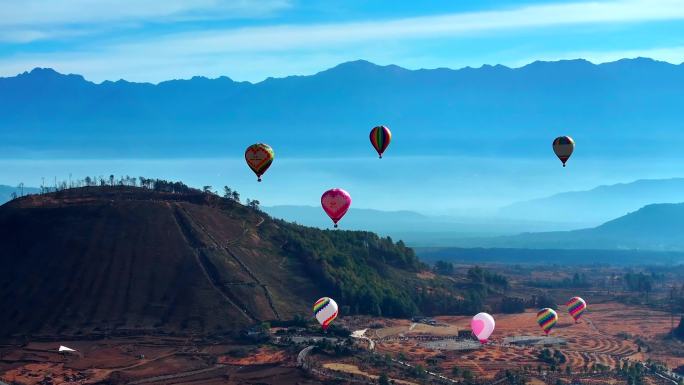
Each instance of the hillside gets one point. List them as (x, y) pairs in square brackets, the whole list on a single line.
[(653, 227), (125, 259), (602, 203), (608, 107)]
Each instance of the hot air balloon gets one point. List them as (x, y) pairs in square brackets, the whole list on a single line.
[(563, 146), (325, 311), (547, 318), (380, 138), (576, 307), (336, 202), (259, 158), (483, 326)]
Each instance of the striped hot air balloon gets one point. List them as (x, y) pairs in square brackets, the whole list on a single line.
[(576, 307), (380, 138), (547, 318), (259, 158), (563, 146), (325, 311)]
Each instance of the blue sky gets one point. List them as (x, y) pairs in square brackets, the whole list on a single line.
[(155, 40)]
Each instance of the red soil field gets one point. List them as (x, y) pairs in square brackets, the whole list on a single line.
[(598, 338)]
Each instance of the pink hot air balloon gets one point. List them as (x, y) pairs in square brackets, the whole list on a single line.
[(483, 326), (336, 202)]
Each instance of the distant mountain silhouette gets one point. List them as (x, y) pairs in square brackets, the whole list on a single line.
[(563, 257), (412, 227), (599, 204), (607, 108), (653, 227), (6, 192)]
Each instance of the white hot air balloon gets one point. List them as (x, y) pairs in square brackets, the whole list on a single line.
[(483, 326)]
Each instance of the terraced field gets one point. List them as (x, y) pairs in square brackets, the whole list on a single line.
[(596, 339)]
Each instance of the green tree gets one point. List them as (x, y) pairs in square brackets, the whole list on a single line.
[(418, 371), (383, 379), (444, 268), (679, 330), (254, 204)]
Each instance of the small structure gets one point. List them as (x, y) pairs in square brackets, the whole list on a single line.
[(424, 320), (64, 349), (67, 351), (255, 334), (465, 334), (534, 340)]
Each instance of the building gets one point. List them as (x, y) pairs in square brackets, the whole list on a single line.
[(465, 334)]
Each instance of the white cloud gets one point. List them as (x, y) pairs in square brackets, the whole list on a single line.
[(28, 20), (288, 37), (43, 12)]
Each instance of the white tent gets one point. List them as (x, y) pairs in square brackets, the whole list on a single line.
[(63, 348)]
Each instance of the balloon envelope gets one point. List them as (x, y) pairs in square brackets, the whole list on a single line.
[(576, 307), (259, 158), (563, 146), (336, 202), (483, 326), (547, 318), (380, 138), (325, 311)]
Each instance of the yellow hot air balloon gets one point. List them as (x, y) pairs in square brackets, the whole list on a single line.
[(259, 158)]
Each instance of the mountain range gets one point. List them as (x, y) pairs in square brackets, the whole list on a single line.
[(486, 111), (414, 228), (599, 204), (560, 212), (656, 227)]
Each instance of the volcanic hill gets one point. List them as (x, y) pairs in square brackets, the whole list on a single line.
[(97, 260)]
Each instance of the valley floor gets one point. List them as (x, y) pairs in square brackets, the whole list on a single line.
[(408, 352)]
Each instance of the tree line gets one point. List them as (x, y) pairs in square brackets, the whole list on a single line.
[(154, 184)]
